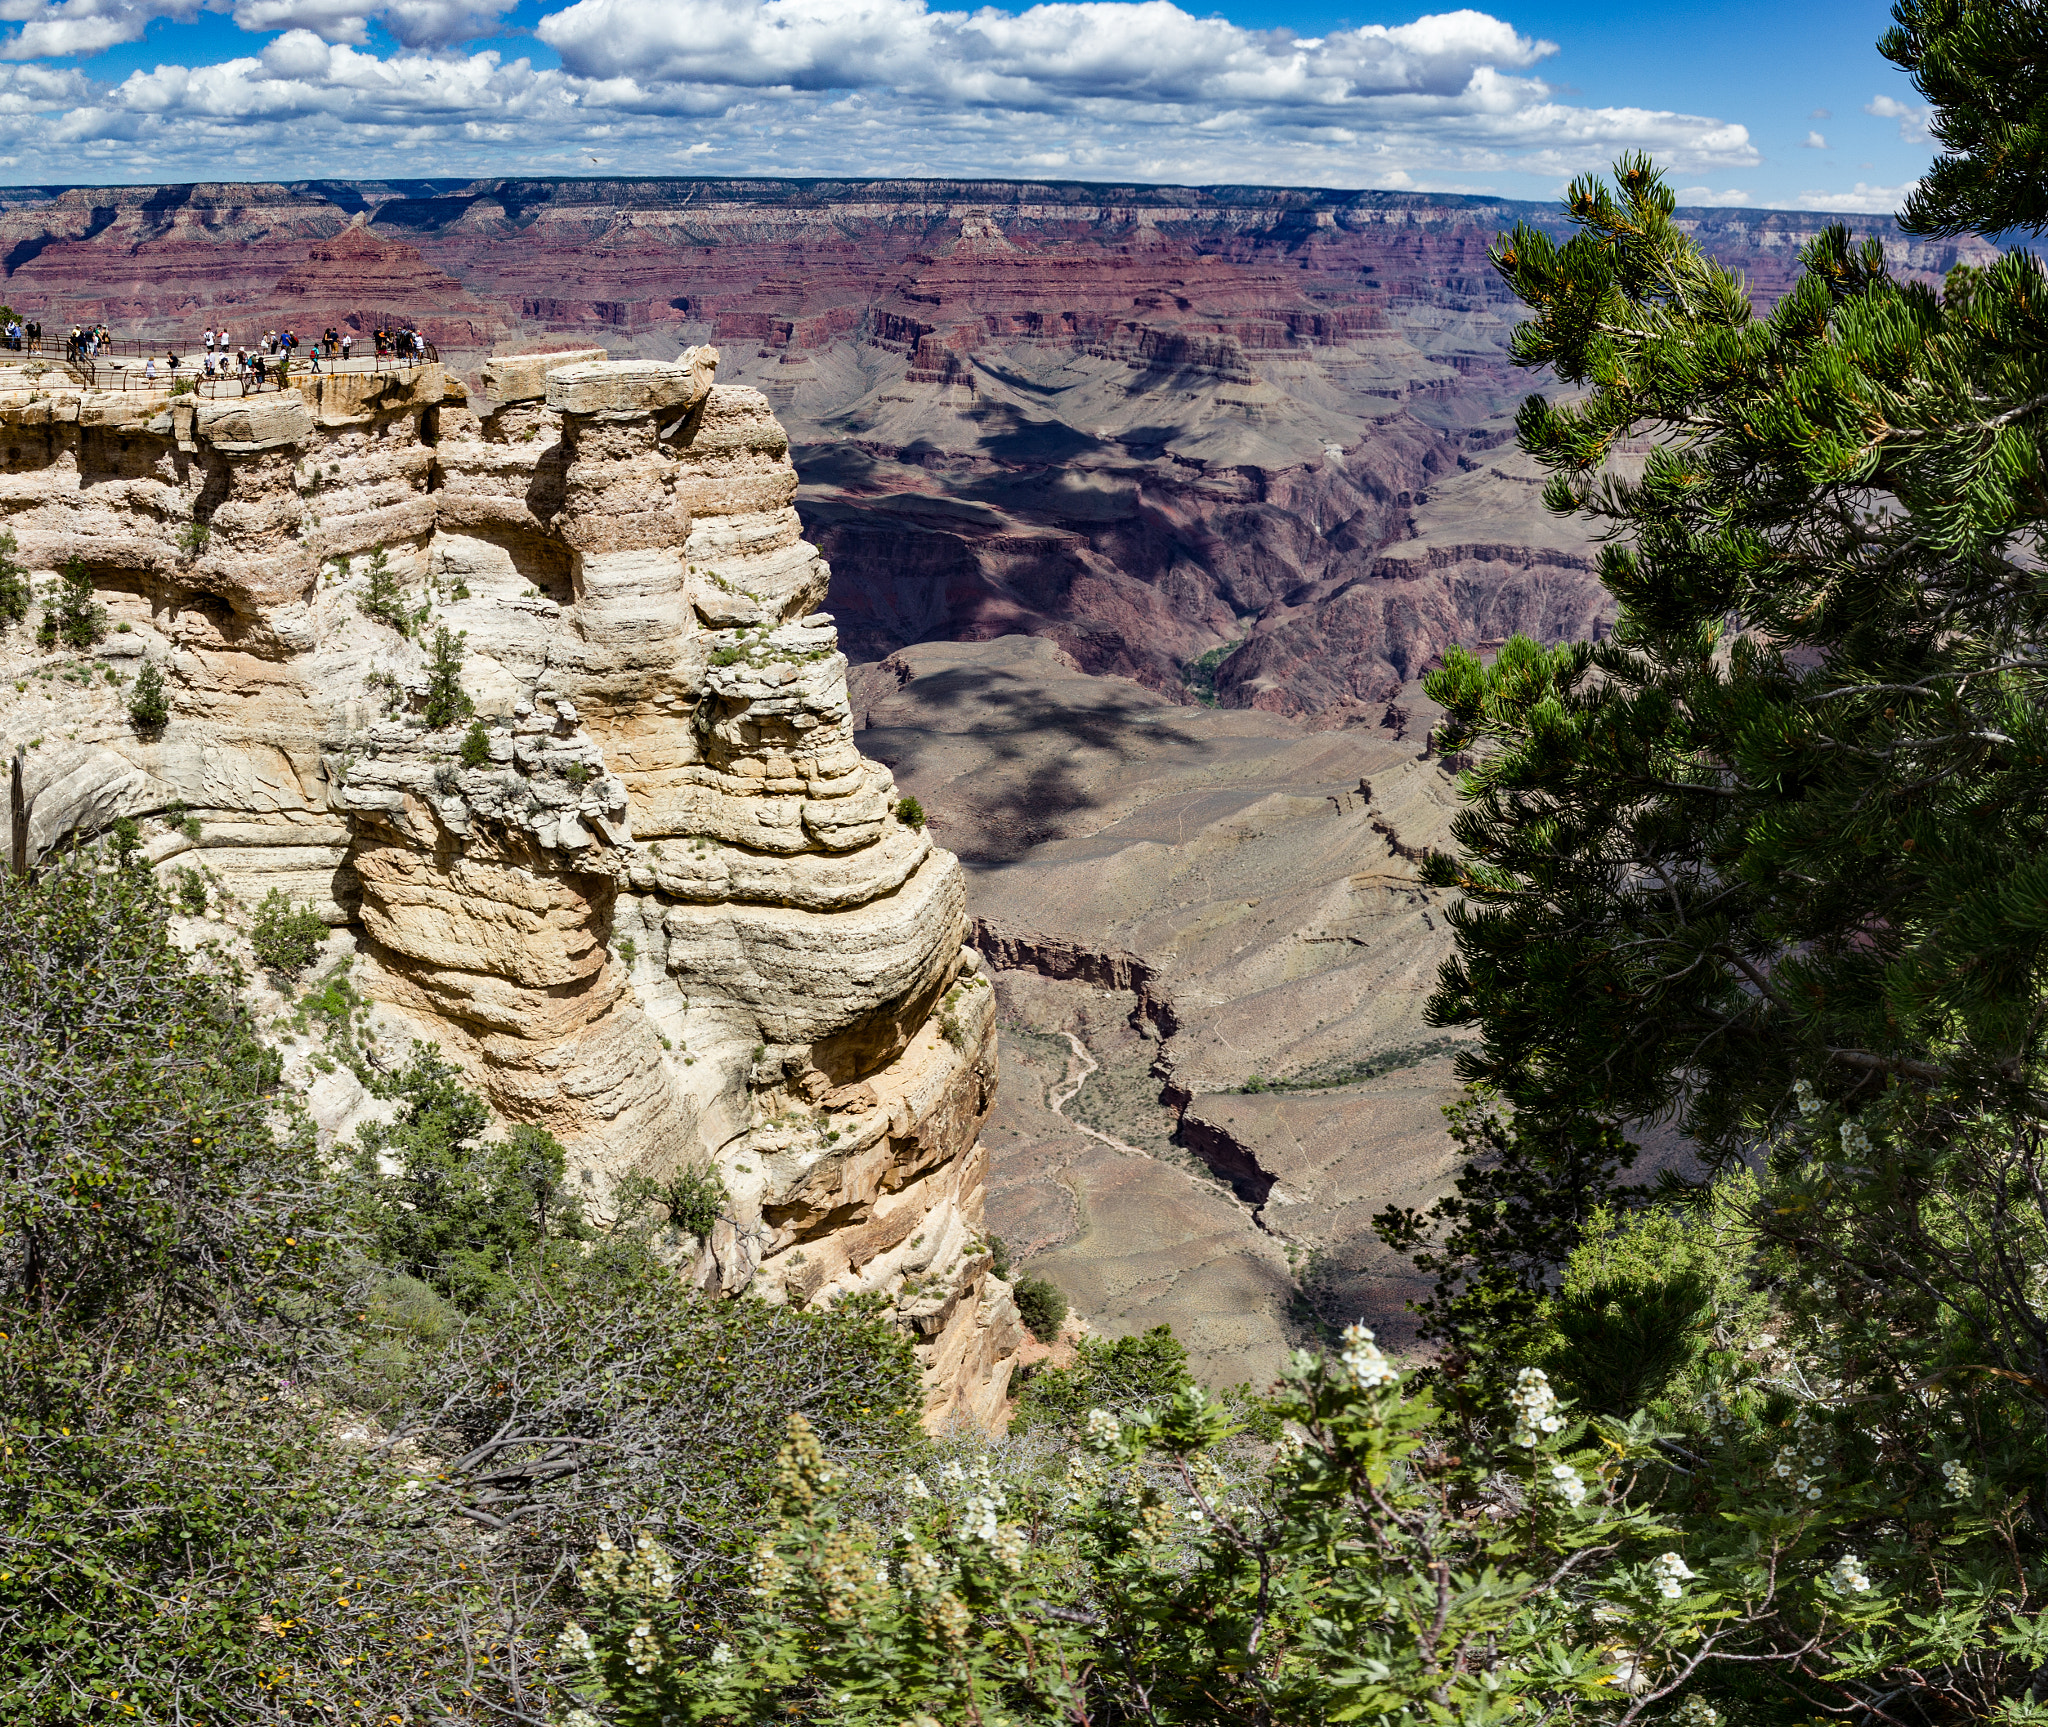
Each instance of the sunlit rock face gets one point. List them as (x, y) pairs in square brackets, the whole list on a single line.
[(661, 905)]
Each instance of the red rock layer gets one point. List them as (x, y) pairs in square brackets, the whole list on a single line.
[(1149, 422)]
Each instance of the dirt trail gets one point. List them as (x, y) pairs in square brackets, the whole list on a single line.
[(1069, 1088)]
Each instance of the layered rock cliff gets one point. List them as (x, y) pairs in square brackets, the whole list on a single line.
[(1158, 425), (665, 909)]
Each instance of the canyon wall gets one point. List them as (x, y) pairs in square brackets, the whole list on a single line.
[(1238, 444), (661, 905)]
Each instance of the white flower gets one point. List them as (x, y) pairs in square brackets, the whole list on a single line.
[(574, 1644), (1670, 1574), (951, 1473), (581, 1718), (643, 1648), (1008, 1546), (1362, 1362), (1803, 1094), (1848, 1576), (914, 1487), (1961, 1483), (1855, 1142), (1103, 1431), (978, 1518), (721, 1655), (1565, 1480), (1535, 1406), (1695, 1712)]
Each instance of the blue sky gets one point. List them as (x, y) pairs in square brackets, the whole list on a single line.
[(1749, 103)]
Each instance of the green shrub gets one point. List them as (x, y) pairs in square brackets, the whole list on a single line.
[(448, 704), (476, 746), (14, 584), (382, 599), (1041, 1306), (696, 1199), (70, 614), (1108, 1373), (910, 812), (193, 539), (285, 937), (466, 1214), (149, 707), (191, 893)]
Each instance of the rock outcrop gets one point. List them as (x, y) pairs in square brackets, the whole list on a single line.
[(655, 899), (1157, 425)]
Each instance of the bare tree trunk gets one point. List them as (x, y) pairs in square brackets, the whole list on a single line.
[(17, 813)]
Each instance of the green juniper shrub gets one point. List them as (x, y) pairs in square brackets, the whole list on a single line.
[(191, 893), (443, 1203), (1041, 1306), (1109, 1373), (382, 599), (999, 1257), (476, 746), (448, 704), (285, 937), (71, 614), (149, 707), (696, 1198), (910, 812), (14, 584)]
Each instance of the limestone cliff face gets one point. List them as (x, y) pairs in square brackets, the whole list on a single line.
[(674, 917)]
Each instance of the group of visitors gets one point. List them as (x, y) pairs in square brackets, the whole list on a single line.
[(88, 340), (22, 337)]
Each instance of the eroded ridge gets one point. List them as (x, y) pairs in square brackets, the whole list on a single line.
[(657, 902)]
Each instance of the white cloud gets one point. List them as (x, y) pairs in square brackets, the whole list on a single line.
[(1863, 201), (1912, 121), (1137, 89), (1814, 141), (52, 29), (1707, 195), (1821, 114)]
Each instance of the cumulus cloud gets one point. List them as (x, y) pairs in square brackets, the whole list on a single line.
[(1863, 201), (1814, 141), (59, 29), (1912, 121), (1139, 89), (1707, 195)]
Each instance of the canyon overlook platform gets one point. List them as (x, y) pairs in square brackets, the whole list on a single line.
[(673, 916)]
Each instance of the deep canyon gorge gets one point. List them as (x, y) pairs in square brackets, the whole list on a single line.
[(1116, 525)]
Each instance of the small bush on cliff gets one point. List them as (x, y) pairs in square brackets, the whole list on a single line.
[(14, 584), (70, 613), (476, 746), (1041, 1306), (285, 937), (910, 813), (149, 707), (382, 598), (696, 1199), (448, 704)]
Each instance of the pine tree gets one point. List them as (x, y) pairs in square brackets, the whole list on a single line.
[(448, 704), (1982, 65), (149, 708), (1790, 819)]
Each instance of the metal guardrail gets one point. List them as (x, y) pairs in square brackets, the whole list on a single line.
[(95, 374)]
